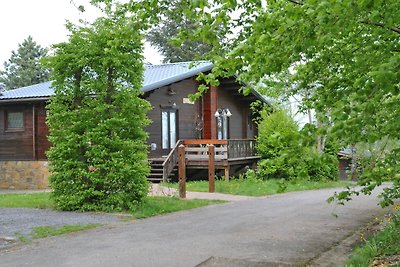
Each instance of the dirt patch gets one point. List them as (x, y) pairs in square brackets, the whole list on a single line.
[(386, 261)]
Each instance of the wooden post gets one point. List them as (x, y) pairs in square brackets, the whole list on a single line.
[(226, 169), (182, 171), (213, 109), (211, 169)]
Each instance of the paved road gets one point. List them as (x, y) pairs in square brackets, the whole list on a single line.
[(289, 228)]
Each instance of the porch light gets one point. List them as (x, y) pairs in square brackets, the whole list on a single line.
[(222, 115), (222, 112)]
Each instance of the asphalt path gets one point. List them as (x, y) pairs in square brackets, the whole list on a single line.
[(288, 228)]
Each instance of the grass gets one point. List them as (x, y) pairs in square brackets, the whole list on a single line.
[(161, 205), (34, 200), (152, 205), (383, 247), (45, 231), (258, 187)]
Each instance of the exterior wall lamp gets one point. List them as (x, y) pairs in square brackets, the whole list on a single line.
[(222, 115)]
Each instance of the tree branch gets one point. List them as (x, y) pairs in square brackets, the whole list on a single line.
[(296, 2), (382, 25)]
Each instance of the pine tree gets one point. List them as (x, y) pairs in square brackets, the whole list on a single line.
[(165, 35), (24, 67)]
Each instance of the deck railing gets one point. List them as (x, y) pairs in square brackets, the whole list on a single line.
[(196, 150), (241, 148), (171, 161), (224, 149)]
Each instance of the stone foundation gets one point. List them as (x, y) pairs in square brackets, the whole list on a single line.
[(24, 174)]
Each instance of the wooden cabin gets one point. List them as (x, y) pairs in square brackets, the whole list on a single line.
[(220, 114)]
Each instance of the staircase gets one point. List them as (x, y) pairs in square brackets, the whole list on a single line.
[(156, 170), (163, 168)]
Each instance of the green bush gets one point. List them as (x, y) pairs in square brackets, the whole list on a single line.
[(279, 145), (288, 153), (97, 118)]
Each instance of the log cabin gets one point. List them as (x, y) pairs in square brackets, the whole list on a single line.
[(221, 117)]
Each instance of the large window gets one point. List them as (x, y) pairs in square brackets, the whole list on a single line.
[(169, 128), (14, 120)]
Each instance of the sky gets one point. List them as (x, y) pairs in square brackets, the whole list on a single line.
[(45, 21)]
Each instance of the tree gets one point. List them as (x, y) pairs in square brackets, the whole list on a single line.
[(346, 54), (165, 35), (97, 117), (24, 67)]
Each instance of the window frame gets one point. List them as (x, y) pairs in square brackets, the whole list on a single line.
[(6, 121), (168, 111)]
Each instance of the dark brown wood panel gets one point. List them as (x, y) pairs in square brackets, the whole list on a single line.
[(42, 132), (239, 125), (16, 144), (189, 114)]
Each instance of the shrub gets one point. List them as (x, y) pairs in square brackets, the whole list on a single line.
[(97, 119), (288, 153)]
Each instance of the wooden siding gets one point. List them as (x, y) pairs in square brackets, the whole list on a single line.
[(29, 143), (195, 120), (16, 144), (239, 125), (42, 131), (188, 114)]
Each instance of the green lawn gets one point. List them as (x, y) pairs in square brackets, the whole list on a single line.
[(34, 200), (383, 247), (160, 205), (258, 187), (152, 205)]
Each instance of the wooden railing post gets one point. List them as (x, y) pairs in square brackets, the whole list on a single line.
[(211, 168), (182, 171)]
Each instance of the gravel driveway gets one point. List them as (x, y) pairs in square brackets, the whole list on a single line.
[(21, 221)]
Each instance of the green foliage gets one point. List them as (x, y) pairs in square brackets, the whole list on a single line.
[(343, 56), (278, 143), (288, 153), (165, 35), (97, 117), (24, 67), (380, 246)]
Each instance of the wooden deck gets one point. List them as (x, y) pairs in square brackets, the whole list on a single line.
[(229, 154)]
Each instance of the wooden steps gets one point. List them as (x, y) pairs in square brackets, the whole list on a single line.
[(156, 170)]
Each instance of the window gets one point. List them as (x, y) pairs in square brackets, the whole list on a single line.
[(14, 120), (169, 128)]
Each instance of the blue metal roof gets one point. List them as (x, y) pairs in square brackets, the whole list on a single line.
[(33, 91), (155, 76)]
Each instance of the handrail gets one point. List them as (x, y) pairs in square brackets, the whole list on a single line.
[(205, 142), (170, 161), (227, 149)]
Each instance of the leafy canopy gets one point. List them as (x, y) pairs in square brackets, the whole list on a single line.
[(97, 117), (345, 54), (24, 67)]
